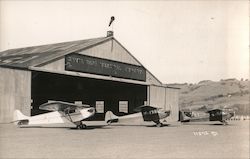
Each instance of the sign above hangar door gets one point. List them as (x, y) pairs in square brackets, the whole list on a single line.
[(93, 65)]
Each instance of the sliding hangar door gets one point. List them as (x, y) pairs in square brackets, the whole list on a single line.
[(121, 98)]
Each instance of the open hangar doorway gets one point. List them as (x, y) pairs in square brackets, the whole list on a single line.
[(118, 97)]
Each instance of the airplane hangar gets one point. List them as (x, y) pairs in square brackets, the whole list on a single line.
[(100, 72)]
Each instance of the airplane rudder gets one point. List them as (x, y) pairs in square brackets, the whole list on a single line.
[(181, 115), (15, 115), (18, 115), (110, 115)]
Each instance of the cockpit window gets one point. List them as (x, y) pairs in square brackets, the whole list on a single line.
[(68, 111)]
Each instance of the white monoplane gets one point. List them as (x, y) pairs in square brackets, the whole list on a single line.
[(63, 114), (145, 114)]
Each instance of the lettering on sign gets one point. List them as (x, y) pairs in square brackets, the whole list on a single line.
[(93, 65)]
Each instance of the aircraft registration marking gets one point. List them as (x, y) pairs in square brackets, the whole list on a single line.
[(150, 112)]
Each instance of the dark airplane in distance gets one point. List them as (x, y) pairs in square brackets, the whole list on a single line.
[(213, 115)]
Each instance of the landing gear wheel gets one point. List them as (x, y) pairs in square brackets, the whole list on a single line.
[(224, 123), (81, 126), (159, 125)]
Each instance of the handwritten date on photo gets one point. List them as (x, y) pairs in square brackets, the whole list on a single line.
[(205, 133)]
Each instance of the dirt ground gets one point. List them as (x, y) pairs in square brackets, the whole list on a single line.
[(172, 141)]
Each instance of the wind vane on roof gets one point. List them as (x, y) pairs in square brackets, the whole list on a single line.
[(110, 33), (111, 20)]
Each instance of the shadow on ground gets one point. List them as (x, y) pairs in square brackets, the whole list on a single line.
[(91, 127)]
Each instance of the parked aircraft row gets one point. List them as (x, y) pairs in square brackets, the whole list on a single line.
[(68, 114)]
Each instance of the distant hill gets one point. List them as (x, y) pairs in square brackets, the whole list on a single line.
[(230, 93)]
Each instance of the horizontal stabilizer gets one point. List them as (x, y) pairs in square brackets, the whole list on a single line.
[(144, 108), (22, 122), (184, 116)]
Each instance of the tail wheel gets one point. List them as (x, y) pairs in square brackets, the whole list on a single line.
[(159, 125), (109, 122)]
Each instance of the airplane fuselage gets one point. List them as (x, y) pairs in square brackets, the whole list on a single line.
[(153, 115), (57, 118), (213, 115)]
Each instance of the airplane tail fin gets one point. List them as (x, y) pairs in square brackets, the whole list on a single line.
[(110, 117), (183, 117), (19, 116)]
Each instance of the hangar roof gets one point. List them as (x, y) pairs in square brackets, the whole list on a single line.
[(35, 55), (30, 57)]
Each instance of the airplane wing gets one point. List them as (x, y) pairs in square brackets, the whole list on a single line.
[(61, 106), (144, 108), (213, 110), (149, 113)]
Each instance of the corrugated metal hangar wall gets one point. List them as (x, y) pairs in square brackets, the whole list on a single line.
[(99, 72), (15, 86)]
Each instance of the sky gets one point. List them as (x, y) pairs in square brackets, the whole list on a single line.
[(178, 41)]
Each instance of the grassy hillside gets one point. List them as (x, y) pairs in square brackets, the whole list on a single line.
[(225, 93)]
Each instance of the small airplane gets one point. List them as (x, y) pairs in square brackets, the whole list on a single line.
[(144, 113), (220, 115), (63, 114)]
